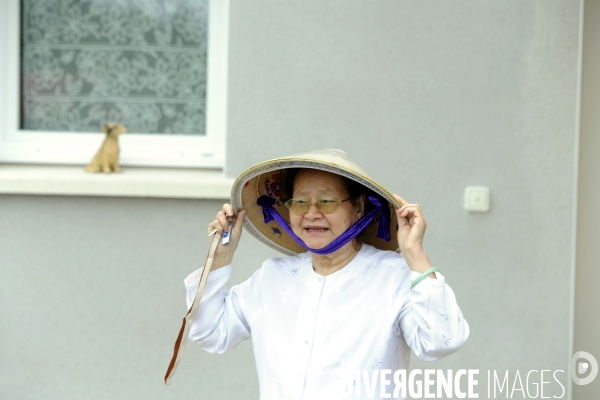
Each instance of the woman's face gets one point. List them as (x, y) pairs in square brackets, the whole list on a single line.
[(316, 229)]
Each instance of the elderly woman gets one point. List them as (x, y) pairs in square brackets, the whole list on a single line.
[(342, 303)]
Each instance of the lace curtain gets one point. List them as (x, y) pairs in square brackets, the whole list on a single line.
[(138, 62)]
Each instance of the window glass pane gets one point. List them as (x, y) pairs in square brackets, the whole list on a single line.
[(138, 62)]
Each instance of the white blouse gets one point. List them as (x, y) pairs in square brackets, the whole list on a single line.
[(308, 329)]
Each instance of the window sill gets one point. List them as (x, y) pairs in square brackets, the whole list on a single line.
[(133, 182)]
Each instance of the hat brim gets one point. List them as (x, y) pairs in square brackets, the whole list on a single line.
[(265, 178)]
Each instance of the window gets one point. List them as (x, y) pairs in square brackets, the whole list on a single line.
[(69, 66)]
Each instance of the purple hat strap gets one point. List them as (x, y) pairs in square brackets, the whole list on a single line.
[(381, 209)]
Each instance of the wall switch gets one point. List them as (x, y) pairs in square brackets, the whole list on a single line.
[(477, 198)]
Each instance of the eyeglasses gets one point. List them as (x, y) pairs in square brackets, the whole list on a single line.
[(326, 206)]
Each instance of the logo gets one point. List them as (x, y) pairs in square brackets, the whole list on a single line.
[(580, 368)]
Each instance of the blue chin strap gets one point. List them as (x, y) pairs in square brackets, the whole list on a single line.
[(381, 209)]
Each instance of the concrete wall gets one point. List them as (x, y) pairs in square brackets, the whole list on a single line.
[(430, 97), (587, 322), (92, 296)]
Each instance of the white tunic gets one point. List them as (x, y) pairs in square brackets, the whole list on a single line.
[(308, 329)]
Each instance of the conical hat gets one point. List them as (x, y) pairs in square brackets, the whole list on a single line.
[(265, 178)]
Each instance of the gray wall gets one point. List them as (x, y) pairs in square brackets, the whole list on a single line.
[(92, 296), (587, 322), (430, 97)]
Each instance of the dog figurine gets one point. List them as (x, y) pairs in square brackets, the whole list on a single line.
[(107, 158)]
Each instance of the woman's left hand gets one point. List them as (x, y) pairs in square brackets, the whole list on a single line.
[(411, 227)]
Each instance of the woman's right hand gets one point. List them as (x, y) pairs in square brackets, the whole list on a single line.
[(224, 253)]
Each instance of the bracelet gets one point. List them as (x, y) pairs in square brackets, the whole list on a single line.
[(422, 276)]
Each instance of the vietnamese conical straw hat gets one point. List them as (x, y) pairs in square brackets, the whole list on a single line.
[(265, 178)]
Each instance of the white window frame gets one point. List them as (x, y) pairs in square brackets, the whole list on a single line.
[(38, 147)]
